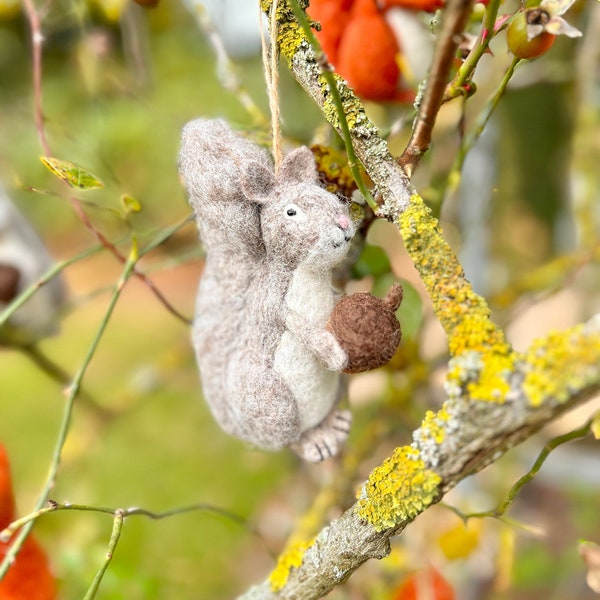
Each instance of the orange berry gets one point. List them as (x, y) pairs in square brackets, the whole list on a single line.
[(367, 54), (29, 577), (517, 37), (333, 15), (426, 583)]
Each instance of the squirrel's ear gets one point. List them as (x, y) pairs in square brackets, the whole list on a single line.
[(257, 181), (298, 165)]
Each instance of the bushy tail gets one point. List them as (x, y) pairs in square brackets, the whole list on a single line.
[(213, 161)]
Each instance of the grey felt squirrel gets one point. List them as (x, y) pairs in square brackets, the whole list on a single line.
[(270, 369)]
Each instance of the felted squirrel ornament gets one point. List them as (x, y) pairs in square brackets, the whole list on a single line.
[(270, 369), (271, 334)]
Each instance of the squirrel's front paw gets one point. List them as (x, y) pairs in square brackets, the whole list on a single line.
[(333, 355), (326, 439)]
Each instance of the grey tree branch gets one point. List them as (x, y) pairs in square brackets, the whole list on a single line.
[(496, 397), (466, 438)]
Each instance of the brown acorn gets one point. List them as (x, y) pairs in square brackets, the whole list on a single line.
[(367, 328)]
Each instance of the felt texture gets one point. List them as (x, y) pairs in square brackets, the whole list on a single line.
[(270, 370), (367, 329)]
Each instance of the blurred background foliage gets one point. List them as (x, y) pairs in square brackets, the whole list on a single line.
[(119, 81)]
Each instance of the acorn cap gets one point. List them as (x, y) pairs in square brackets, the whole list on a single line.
[(367, 328)]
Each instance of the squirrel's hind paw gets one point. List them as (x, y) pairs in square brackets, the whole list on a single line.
[(325, 440)]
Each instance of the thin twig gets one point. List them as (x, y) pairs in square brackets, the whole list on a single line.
[(551, 445), (37, 40), (454, 176), (113, 250), (54, 506), (68, 410), (115, 536), (456, 15), (58, 374)]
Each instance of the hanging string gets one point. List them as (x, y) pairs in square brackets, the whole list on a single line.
[(271, 71)]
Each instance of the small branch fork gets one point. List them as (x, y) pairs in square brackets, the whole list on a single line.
[(119, 515), (553, 444), (455, 18)]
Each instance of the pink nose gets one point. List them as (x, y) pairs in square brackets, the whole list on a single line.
[(343, 222)]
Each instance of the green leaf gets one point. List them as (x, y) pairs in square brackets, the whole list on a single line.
[(72, 174), (372, 261), (410, 312)]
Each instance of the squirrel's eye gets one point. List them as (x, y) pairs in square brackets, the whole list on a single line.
[(290, 212)]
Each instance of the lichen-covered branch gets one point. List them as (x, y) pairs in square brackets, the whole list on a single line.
[(496, 396), (392, 186), (557, 373), (398, 200)]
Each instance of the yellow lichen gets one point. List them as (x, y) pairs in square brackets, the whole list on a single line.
[(485, 375), (464, 315), (492, 383), (433, 424), (477, 332), (290, 559), (398, 490), (289, 32), (560, 364)]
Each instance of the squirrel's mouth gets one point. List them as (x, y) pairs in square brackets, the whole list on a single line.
[(346, 239)]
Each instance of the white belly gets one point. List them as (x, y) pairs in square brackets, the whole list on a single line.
[(312, 295), (314, 388)]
